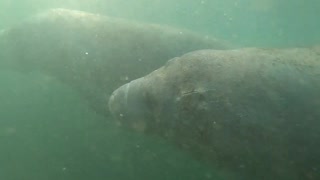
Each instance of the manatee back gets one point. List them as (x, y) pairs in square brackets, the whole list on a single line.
[(94, 54)]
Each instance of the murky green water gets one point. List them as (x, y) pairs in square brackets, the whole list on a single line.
[(48, 132)]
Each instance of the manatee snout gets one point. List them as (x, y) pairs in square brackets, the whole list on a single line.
[(118, 101), (128, 105)]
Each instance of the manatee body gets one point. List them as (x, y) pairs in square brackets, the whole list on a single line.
[(253, 112), (92, 53)]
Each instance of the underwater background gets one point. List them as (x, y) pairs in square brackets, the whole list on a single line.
[(47, 132)]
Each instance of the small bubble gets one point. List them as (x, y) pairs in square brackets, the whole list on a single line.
[(314, 169), (121, 115), (234, 36), (208, 175), (86, 53), (124, 78), (64, 168)]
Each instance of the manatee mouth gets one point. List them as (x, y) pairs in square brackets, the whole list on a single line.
[(118, 101), (128, 106)]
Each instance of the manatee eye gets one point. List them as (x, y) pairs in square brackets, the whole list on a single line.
[(193, 101)]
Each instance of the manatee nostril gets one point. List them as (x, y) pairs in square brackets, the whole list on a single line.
[(130, 105), (111, 99), (128, 101), (118, 102)]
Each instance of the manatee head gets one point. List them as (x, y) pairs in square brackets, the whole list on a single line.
[(129, 106), (154, 103)]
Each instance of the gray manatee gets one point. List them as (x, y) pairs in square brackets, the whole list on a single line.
[(251, 112), (94, 54)]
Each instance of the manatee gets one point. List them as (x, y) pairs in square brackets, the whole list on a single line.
[(252, 112), (94, 54)]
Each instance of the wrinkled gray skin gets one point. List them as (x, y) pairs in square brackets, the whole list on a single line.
[(92, 53), (253, 112)]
